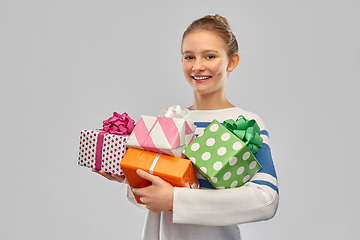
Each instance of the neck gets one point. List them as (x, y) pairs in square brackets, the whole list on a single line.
[(210, 101)]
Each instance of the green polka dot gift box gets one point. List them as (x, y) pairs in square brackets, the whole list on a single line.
[(224, 159)]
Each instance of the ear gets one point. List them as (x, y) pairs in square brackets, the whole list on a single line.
[(233, 62)]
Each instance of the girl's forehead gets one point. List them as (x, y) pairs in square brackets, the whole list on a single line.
[(203, 39), (204, 34)]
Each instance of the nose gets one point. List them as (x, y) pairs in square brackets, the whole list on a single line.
[(198, 65)]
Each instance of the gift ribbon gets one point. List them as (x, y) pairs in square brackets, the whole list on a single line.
[(246, 130), (176, 112), (154, 163), (119, 124), (99, 146)]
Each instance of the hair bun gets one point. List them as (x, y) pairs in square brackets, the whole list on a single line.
[(219, 18)]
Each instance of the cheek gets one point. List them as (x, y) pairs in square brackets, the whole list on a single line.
[(217, 67), (186, 68)]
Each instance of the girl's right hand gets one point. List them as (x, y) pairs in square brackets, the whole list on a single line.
[(110, 176)]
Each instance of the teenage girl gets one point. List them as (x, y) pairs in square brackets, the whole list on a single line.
[(209, 53)]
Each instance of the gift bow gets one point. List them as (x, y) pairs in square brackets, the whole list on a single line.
[(176, 112), (247, 130), (120, 124)]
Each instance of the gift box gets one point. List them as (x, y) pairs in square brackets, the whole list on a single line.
[(168, 133), (103, 149), (224, 159), (177, 171)]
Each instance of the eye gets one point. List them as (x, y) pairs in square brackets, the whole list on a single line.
[(210, 56), (188, 57)]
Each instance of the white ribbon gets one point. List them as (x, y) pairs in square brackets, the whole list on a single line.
[(176, 112), (154, 163)]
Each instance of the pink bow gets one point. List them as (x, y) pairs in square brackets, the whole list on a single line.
[(120, 124)]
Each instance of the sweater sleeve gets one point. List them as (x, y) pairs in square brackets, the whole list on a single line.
[(257, 200)]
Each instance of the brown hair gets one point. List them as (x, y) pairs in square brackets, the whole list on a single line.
[(219, 25)]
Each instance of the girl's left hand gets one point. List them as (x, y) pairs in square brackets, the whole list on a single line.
[(158, 196), (112, 177)]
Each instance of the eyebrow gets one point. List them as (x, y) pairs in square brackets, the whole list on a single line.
[(205, 51)]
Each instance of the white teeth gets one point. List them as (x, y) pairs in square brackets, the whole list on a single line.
[(200, 78)]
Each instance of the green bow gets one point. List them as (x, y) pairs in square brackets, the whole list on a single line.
[(247, 131)]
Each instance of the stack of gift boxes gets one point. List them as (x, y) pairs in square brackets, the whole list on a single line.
[(166, 146)]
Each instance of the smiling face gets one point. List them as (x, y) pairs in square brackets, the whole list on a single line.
[(205, 61)]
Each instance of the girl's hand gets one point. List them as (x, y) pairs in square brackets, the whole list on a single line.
[(110, 176), (158, 196)]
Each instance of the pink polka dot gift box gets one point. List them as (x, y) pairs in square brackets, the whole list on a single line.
[(224, 159), (103, 149)]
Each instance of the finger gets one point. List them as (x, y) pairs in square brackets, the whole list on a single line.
[(136, 191), (119, 178), (105, 174), (146, 175), (110, 176), (102, 172)]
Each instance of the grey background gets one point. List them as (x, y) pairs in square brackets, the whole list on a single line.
[(67, 65)]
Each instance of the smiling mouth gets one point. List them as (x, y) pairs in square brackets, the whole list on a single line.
[(200, 78)]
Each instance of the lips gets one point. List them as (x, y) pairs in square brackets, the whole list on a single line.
[(200, 78)]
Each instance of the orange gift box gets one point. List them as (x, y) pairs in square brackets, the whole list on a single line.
[(179, 172)]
